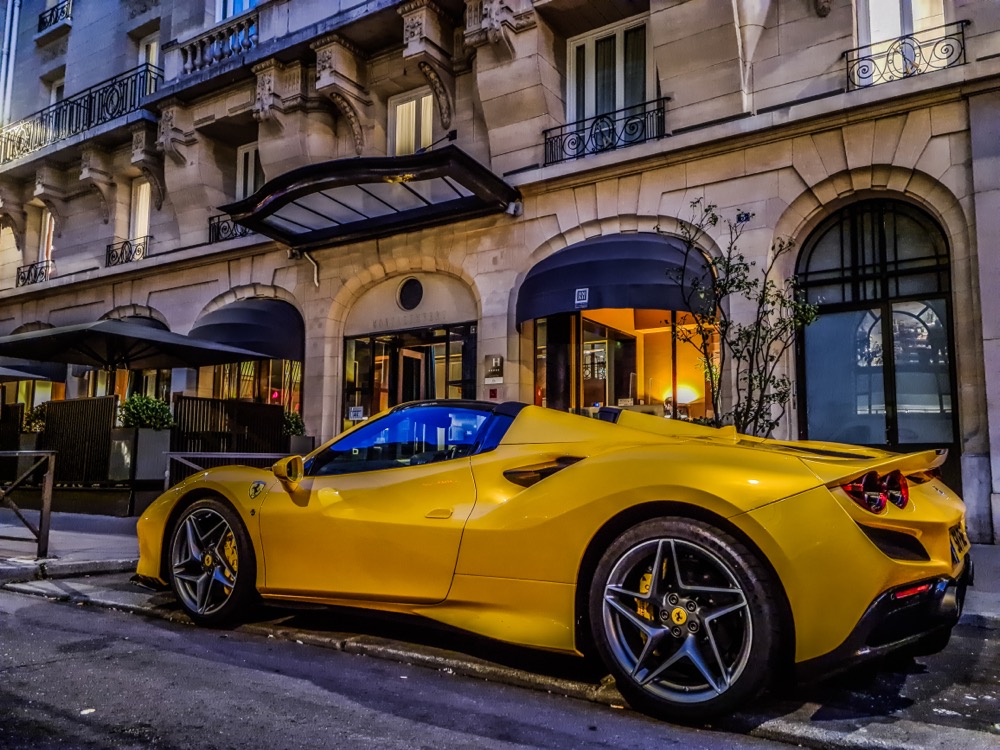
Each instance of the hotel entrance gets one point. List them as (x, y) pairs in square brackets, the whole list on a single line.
[(610, 327), (389, 369)]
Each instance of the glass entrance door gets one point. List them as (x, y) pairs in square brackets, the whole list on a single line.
[(386, 369)]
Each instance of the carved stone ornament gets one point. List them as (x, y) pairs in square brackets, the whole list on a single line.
[(324, 62), (95, 175), (492, 21), (347, 109), (823, 8), (12, 213), (413, 28), (441, 94), (170, 138), (263, 106), (138, 7)]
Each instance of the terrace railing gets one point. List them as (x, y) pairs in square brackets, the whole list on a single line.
[(127, 251), (34, 273), (624, 127), (906, 56), (234, 36), (49, 18), (107, 101), (222, 228)]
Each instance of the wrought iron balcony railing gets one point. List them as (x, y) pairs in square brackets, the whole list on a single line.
[(234, 36), (910, 55), (34, 273), (222, 228), (97, 105), (626, 127), (49, 18), (128, 251)]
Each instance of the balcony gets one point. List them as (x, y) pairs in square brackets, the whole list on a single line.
[(222, 228), (34, 273), (127, 251), (910, 55), (625, 127), (79, 113), (233, 37), (55, 15)]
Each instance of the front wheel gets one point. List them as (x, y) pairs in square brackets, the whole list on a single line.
[(212, 563), (686, 619)]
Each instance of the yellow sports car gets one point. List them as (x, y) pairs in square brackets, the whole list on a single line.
[(700, 564)]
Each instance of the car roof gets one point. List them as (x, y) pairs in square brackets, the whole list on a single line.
[(507, 408)]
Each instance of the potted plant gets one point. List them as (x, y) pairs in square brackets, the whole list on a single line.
[(143, 439), (32, 427), (295, 427)]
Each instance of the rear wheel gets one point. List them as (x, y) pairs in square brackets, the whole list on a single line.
[(212, 563), (686, 619)]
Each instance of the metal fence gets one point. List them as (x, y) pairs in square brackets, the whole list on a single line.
[(48, 460), (906, 56), (79, 430), (222, 228), (95, 106), (212, 425), (625, 127), (127, 251)]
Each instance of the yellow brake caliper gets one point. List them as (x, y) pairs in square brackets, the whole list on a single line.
[(229, 550), (642, 607)]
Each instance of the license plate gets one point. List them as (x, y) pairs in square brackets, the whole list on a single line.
[(959, 541)]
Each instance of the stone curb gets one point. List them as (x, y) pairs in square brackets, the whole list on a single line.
[(40, 570), (776, 728)]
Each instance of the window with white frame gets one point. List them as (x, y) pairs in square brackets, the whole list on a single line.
[(882, 22), (228, 8), (57, 90), (149, 54), (411, 122), (609, 69), (139, 215), (249, 172)]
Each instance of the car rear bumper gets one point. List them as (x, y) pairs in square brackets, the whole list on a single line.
[(895, 620)]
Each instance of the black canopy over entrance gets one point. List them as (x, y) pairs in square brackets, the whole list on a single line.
[(638, 271), (115, 343), (347, 200), (269, 326)]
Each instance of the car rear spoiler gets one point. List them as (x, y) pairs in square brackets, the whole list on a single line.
[(837, 471)]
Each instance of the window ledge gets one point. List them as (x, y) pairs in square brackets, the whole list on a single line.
[(53, 32)]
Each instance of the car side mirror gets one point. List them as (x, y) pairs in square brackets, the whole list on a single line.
[(290, 471)]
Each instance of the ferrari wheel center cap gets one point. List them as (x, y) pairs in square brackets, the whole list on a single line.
[(678, 616), (207, 561)]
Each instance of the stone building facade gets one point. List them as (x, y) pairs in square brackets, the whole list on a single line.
[(607, 119)]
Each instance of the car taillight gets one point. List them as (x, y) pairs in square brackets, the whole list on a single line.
[(873, 492), (867, 492), (897, 489)]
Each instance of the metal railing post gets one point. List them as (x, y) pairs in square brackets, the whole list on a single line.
[(45, 519)]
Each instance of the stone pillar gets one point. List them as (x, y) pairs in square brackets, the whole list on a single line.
[(984, 126)]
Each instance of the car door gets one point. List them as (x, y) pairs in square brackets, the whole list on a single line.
[(380, 512)]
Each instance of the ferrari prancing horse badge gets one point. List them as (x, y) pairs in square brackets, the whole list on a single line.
[(256, 488)]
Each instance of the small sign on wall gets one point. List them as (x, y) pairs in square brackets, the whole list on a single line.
[(582, 298), (355, 413), (494, 369)]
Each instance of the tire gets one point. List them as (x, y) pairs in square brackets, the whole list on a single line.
[(210, 548), (692, 646)]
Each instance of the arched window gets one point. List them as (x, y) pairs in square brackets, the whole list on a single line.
[(877, 366)]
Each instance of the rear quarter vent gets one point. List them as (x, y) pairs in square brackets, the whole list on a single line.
[(896, 544), (525, 476)]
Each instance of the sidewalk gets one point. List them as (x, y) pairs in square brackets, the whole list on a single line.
[(79, 544), (84, 544)]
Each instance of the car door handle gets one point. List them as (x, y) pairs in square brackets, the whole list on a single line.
[(441, 513)]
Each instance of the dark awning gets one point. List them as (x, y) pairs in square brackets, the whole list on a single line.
[(117, 343), (635, 271), (269, 326), (28, 369), (347, 200)]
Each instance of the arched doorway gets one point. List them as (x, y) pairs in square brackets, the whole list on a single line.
[(606, 315), (409, 338), (877, 366)]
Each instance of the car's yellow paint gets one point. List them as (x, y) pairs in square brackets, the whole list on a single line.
[(458, 542), (392, 534)]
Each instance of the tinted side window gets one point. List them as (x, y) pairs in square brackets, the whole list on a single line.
[(409, 437)]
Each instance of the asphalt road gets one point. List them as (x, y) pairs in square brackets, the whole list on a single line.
[(82, 677)]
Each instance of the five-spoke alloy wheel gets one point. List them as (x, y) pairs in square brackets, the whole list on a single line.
[(212, 564), (684, 617)]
